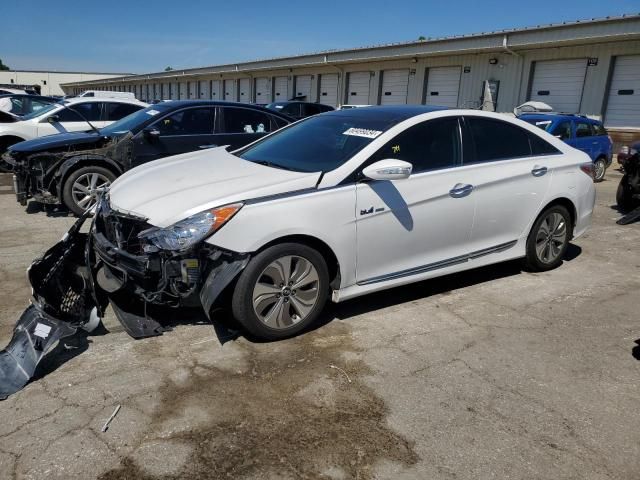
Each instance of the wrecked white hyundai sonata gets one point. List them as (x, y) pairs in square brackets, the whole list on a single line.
[(335, 206)]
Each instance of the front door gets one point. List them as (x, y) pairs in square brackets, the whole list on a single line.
[(405, 227), (183, 131)]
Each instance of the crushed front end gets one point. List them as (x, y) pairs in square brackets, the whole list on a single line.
[(34, 176)]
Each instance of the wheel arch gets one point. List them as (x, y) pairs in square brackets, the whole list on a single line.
[(566, 203), (333, 264), (79, 161), (8, 140)]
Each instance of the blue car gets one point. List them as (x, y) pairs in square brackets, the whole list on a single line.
[(580, 132)]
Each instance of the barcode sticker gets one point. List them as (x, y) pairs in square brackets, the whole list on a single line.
[(42, 330)]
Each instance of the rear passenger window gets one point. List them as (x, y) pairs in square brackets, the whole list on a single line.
[(496, 140), (80, 112), (244, 120), (583, 130), (192, 121), (540, 146), (116, 111), (427, 146), (562, 130), (599, 129)]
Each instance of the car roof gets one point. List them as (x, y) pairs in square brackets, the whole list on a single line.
[(75, 100), (20, 95), (194, 103), (557, 116), (387, 112)]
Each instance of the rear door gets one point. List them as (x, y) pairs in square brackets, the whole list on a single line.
[(510, 170), (584, 138), (183, 131)]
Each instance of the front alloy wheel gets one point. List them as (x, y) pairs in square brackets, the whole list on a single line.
[(80, 189), (282, 290), (549, 239)]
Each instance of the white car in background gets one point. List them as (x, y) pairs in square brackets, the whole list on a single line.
[(70, 115), (338, 205)]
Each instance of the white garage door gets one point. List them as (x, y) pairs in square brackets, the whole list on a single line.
[(395, 86), (245, 90), (166, 91), (193, 90), (559, 83), (303, 87), (263, 90), (183, 91), (623, 105), (230, 90), (329, 89), (443, 86), (216, 89), (205, 93), (280, 89), (174, 91), (358, 88)]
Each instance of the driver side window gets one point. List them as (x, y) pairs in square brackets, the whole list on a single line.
[(430, 145)]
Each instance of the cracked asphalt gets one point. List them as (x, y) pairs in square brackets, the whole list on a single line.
[(493, 373)]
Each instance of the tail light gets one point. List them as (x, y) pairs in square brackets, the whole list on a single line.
[(588, 169), (624, 149)]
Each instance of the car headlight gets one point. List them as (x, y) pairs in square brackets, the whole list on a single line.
[(186, 233)]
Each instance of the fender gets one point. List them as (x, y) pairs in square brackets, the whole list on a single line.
[(71, 163)]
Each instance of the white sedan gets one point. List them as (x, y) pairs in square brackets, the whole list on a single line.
[(335, 206), (70, 115)]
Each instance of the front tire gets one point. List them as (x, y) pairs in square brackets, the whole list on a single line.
[(282, 291), (79, 191), (599, 169), (549, 239)]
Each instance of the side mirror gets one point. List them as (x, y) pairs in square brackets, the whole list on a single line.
[(389, 169), (151, 133), (53, 119)]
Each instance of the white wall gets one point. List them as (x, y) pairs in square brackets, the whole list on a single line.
[(50, 81)]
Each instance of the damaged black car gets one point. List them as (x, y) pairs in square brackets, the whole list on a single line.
[(70, 168)]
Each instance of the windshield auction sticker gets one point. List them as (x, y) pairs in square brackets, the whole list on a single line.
[(362, 132), (152, 112)]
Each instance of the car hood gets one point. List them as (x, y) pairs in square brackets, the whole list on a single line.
[(58, 140), (171, 189)]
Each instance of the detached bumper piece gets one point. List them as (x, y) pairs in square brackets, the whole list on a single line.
[(63, 300), (630, 217)]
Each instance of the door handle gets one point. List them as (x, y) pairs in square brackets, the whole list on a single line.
[(461, 190), (202, 147), (538, 171)]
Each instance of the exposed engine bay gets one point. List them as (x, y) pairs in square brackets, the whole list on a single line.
[(76, 279)]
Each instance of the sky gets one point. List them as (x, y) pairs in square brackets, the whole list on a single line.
[(147, 36)]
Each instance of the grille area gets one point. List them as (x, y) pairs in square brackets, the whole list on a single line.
[(120, 229)]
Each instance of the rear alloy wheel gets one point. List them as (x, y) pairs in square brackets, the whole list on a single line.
[(282, 291), (80, 189), (548, 240), (599, 169)]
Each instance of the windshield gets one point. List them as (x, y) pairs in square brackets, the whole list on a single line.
[(42, 111), (317, 144), (130, 122)]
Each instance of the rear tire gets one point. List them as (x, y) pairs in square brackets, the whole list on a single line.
[(281, 292), (80, 188), (599, 169), (548, 239)]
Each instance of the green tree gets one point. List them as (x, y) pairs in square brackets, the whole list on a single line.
[(422, 37), (3, 67), (168, 69)]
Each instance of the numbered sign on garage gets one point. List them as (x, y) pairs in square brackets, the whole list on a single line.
[(623, 103), (329, 89), (303, 87), (559, 83), (395, 87), (263, 90), (443, 86), (280, 89), (216, 89), (245, 90), (358, 86), (230, 90)]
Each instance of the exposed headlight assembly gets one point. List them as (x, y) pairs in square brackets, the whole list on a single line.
[(186, 233)]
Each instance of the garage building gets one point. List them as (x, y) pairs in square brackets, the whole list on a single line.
[(590, 67)]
